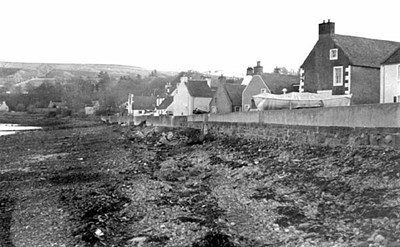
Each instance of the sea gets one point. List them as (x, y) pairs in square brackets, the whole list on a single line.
[(9, 129)]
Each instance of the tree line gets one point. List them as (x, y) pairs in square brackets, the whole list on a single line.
[(110, 91)]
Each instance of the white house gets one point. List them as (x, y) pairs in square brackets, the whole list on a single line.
[(390, 79), (192, 95), (4, 107), (162, 109), (91, 109), (141, 105)]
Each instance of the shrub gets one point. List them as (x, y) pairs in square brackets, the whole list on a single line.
[(20, 107)]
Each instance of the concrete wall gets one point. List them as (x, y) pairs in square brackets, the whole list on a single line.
[(363, 116), (236, 117), (377, 124)]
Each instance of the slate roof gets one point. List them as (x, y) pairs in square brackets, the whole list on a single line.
[(277, 82), (144, 103), (199, 88), (234, 92), (364, 51), (166, 102), (394, 58)]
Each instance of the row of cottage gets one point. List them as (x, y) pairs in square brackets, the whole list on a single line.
[(367, 69)]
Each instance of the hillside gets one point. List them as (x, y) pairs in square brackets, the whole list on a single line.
[(16, 72)]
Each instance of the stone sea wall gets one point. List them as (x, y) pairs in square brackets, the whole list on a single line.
[(376, 125)]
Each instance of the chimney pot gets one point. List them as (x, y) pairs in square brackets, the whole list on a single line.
[(327, 28), (250, 71), (258, 70)]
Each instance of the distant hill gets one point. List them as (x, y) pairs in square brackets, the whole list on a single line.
[(16, 72)]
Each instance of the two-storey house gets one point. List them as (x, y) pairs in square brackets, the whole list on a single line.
[(342, 64), (191, 95), (227, 98)]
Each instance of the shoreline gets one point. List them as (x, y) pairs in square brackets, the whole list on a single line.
[(80, 182)]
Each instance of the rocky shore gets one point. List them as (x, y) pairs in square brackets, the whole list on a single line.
[(84, 183)]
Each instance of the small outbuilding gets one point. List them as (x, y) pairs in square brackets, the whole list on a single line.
[(57, 105)]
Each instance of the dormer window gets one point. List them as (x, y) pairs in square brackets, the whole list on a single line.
[(333, 54)]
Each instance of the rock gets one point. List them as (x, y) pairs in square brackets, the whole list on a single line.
[(139, 134), (379, 239), (393, 244), (362, 244), (388, 139), (99, 233), (284, 156), (304, 226), (138, 240), (170, 135)]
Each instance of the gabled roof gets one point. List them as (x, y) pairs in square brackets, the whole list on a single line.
[(144, 103), (277, 82), (199, 88), (166, 102), (234, 92), (393, 58), (365, 52)]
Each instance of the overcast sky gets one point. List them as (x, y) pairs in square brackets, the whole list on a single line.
[(178, 35)]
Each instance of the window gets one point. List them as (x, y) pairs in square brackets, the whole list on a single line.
[(263, 90), (237, 108), (338, 76), (247, 107), (213, 109), (398, 72), (333, 54)]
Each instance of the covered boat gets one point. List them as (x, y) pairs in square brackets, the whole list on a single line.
[(295, 100)]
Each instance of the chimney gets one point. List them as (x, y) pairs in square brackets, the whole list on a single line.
[(326, 28), (249, 71), (258, 70)]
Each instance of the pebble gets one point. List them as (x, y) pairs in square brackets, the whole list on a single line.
[(379, 238)]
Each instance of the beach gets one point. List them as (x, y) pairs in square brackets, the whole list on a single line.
[(80, 182)]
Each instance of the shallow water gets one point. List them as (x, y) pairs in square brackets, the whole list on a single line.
[(9, 129)]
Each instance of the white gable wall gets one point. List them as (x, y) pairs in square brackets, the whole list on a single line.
[(182, 101), (201, 104), (390, 85)]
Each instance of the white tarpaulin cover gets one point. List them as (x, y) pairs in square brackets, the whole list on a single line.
[(267, 101)]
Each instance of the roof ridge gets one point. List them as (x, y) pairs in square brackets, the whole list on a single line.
[(352, 36)]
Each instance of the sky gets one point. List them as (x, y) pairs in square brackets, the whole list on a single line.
[(217, 36)]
